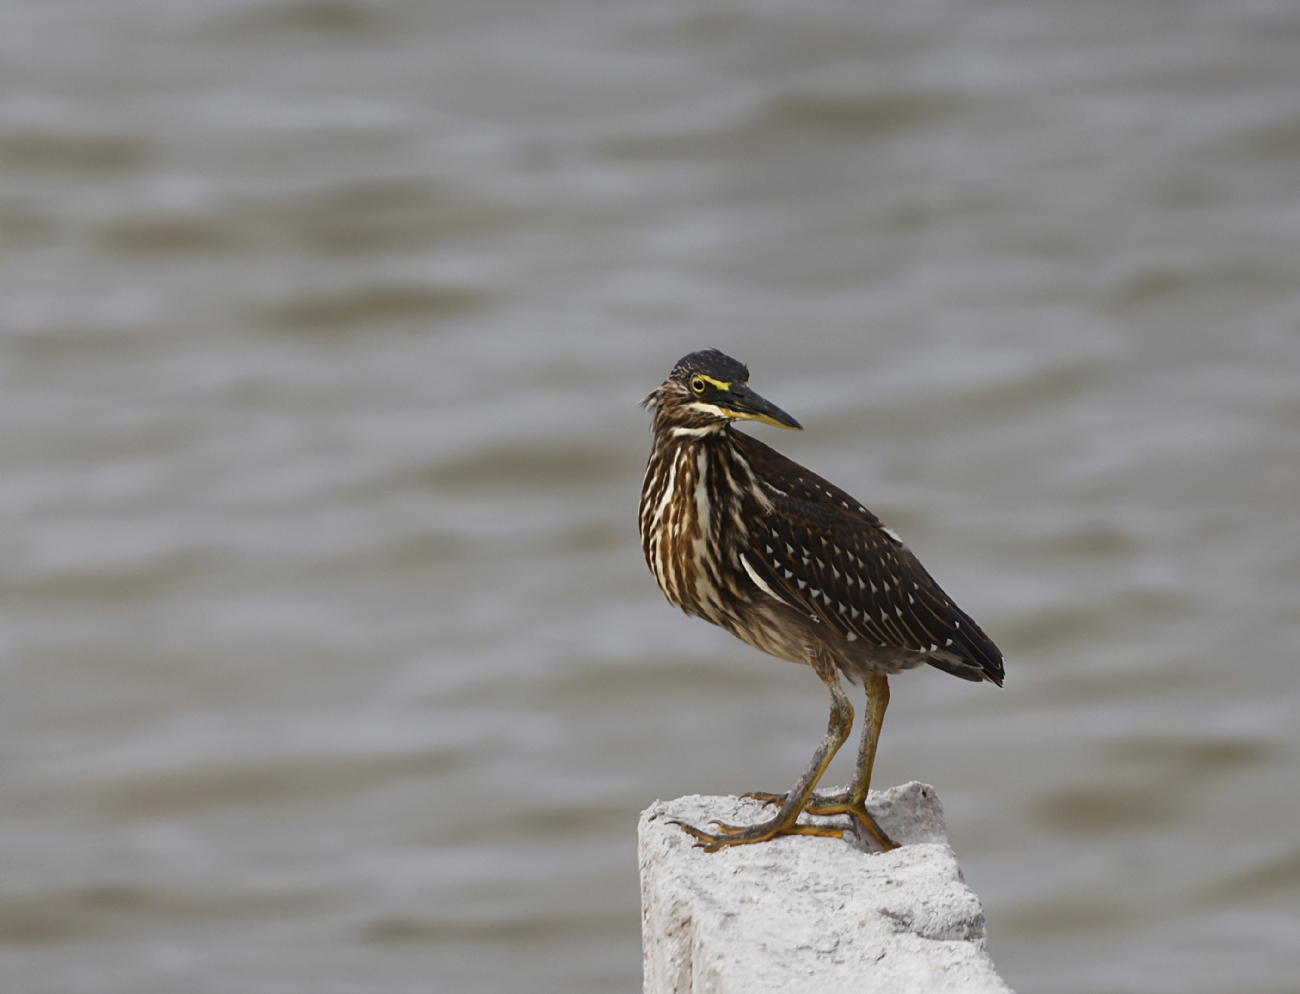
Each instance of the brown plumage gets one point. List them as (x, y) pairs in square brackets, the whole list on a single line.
[(747, 539)]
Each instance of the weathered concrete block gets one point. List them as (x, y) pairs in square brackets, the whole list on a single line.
[(804, 914)]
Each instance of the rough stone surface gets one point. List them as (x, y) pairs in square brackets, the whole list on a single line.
[(804, 914)]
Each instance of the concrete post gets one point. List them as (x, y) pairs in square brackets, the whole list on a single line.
[(806, 915)]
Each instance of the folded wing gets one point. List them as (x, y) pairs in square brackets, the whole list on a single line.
[(841, 566)]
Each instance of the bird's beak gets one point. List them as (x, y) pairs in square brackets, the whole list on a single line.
[(745, 405)]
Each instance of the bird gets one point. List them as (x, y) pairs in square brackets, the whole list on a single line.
[(743, 537)]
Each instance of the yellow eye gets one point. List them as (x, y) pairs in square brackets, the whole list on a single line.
[(697, 385)]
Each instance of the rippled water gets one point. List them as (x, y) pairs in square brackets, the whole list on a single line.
[(330, 662)]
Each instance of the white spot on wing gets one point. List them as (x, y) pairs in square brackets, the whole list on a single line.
[(758, 580)]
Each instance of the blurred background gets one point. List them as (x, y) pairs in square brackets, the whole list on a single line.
[(329, 660)]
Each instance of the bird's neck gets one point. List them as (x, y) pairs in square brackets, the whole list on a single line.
[(716, 430), (673, 424)]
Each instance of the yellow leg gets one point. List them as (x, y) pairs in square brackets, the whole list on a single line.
[(793, 803), (855, 803), (877, 688)]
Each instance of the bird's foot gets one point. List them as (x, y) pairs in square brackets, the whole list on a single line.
[(860, 815), (814, 800), (740, 835), (829, 805)]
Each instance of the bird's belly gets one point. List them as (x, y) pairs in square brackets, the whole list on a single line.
[(783, 640), (785, 633), (730, 600)]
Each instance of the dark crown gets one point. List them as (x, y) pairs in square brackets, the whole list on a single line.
[(711, 363)]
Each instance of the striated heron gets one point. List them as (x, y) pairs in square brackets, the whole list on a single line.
[(741, 536)]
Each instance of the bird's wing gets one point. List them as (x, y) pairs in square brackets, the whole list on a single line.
[(841, 566), (788, 479)]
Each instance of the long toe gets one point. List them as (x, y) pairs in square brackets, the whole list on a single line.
[(814, 801), (869, 825), (764, 797), (722, 828), (859, 813), (735, 835)]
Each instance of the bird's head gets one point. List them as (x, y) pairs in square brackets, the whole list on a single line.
[(708, 390)]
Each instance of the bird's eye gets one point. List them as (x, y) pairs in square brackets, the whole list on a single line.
[(697, 385)]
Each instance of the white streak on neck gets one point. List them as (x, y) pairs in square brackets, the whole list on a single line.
[(704, 565), (697, 432), (667, 497)]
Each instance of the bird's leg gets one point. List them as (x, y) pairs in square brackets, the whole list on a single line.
[(785, 822), (852, 802), (855, 802)]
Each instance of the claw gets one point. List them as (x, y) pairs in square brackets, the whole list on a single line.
[(763, 797), (725, 829), (691, 830)]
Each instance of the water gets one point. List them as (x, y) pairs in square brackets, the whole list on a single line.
[(329, 659)]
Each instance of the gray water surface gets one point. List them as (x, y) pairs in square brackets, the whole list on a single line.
[(329, 661)]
